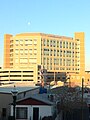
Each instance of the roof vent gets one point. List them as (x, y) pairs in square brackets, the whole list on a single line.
[(51, 97)]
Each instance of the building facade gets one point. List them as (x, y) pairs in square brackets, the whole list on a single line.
[(53, 52), (37, 51)]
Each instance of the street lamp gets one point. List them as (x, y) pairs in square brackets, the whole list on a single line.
[(14, 94)]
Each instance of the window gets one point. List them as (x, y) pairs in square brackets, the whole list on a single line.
[(16, 51), (17, 41), (72, 45), (47, 42), (57, 61), (47, 60), (44, 42), (68, 62), (15, 71), (11, 50), (51, 51), (63, 77), (26, 51), (44, 61), (46, 51), (11, 63), (21, 41), (4, 112), (27, 71), (51, 43), (35, 51), (32, 60), (11, 41), (64, 44), (30, 51), (69, 45), (60, 44), (50, 67), (21, 113), (54, 52), (27, 75), (11, 59), (16, 60), (26, 42), (21, 51), (64, 53), (11, 46), (60, 61), (23, 60), (30, 42), (54, 43), (35, 41), (57, 43), (60, 53), (15, 75), (57, 52), (63, 62)]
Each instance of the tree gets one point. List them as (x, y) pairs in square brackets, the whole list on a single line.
[(69, 103)]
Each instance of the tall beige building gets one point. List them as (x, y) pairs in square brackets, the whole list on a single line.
[(55, 54)]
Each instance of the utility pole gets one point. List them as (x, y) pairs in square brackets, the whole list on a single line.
[(82, 98), (54, 75)]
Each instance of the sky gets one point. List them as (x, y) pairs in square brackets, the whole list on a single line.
[(60, 17)]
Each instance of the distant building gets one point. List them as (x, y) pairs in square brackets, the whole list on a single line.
[(27, 55)]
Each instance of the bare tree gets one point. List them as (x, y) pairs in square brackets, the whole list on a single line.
[(69, 100)]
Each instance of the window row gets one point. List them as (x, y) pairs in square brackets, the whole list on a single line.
[(28, 41), (54, 52), (58, 43), (24, 50), (60, 68), (57, 61)]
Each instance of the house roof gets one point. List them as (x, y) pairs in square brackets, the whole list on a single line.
[(36, 99), (7, 90)]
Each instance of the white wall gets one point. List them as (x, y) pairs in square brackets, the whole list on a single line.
[(43, 110)]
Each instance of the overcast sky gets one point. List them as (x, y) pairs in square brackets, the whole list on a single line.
[(61, 17)]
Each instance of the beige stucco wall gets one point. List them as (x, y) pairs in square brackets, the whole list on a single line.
[(5, 100)]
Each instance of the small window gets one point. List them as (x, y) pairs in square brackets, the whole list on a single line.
[(3, 112), (21, 113)]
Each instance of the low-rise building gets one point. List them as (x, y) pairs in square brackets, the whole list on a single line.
[(34, 107), (6, 97)]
